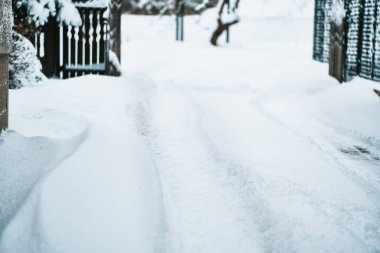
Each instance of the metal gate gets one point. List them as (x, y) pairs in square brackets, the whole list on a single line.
[(370, 49)]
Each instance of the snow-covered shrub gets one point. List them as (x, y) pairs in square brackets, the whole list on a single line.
[(25, 68)]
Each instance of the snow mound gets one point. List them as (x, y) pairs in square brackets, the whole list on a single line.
[(108, 186), (23, 162)]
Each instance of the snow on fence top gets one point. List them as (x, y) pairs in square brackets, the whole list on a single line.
[(6, 23)]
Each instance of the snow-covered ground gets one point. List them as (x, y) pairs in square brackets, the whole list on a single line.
[(248, 147)]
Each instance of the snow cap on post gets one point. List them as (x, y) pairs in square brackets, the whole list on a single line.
[(338, 13), (6, 23)]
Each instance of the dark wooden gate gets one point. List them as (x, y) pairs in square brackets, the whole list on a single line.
[(337, 51), (67, 51)]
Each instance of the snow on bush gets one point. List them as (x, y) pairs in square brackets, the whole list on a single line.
[(338, 13), (25, 68), (38, 11)]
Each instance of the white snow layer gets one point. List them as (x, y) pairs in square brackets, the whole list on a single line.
[(114, 61), (249, 147)]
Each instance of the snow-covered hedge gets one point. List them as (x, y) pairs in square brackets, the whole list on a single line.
[(25, 68)]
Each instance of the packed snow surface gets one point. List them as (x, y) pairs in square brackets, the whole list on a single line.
[(248, 147)]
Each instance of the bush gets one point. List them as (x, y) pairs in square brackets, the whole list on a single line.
[(25, 68)]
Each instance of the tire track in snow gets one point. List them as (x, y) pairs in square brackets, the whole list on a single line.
[(196, 170), (204, 212), (280, 233)]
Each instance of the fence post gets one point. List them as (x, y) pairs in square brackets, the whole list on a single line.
[(180, 13), (6, 21), (228, 29), (51, 45), (115, 27)]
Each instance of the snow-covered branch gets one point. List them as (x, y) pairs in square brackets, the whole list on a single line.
[(38, 11)]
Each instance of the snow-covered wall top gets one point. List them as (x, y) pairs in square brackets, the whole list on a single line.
[(277, 8), (6, 22)]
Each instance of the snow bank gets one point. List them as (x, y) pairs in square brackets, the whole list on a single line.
[(110, 172), (23, 162), (353, 108)]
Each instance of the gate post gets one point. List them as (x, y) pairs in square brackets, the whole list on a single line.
[(180, 13), (6, 21), (115, 28), (337, 50), (228, 29), (50, 60)]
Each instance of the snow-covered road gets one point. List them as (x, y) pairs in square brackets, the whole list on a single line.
[(247, 164), (232, 174), (244, 148)]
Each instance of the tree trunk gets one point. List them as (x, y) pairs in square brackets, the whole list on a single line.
[(222, 27), (220, 30), (4, 83)]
